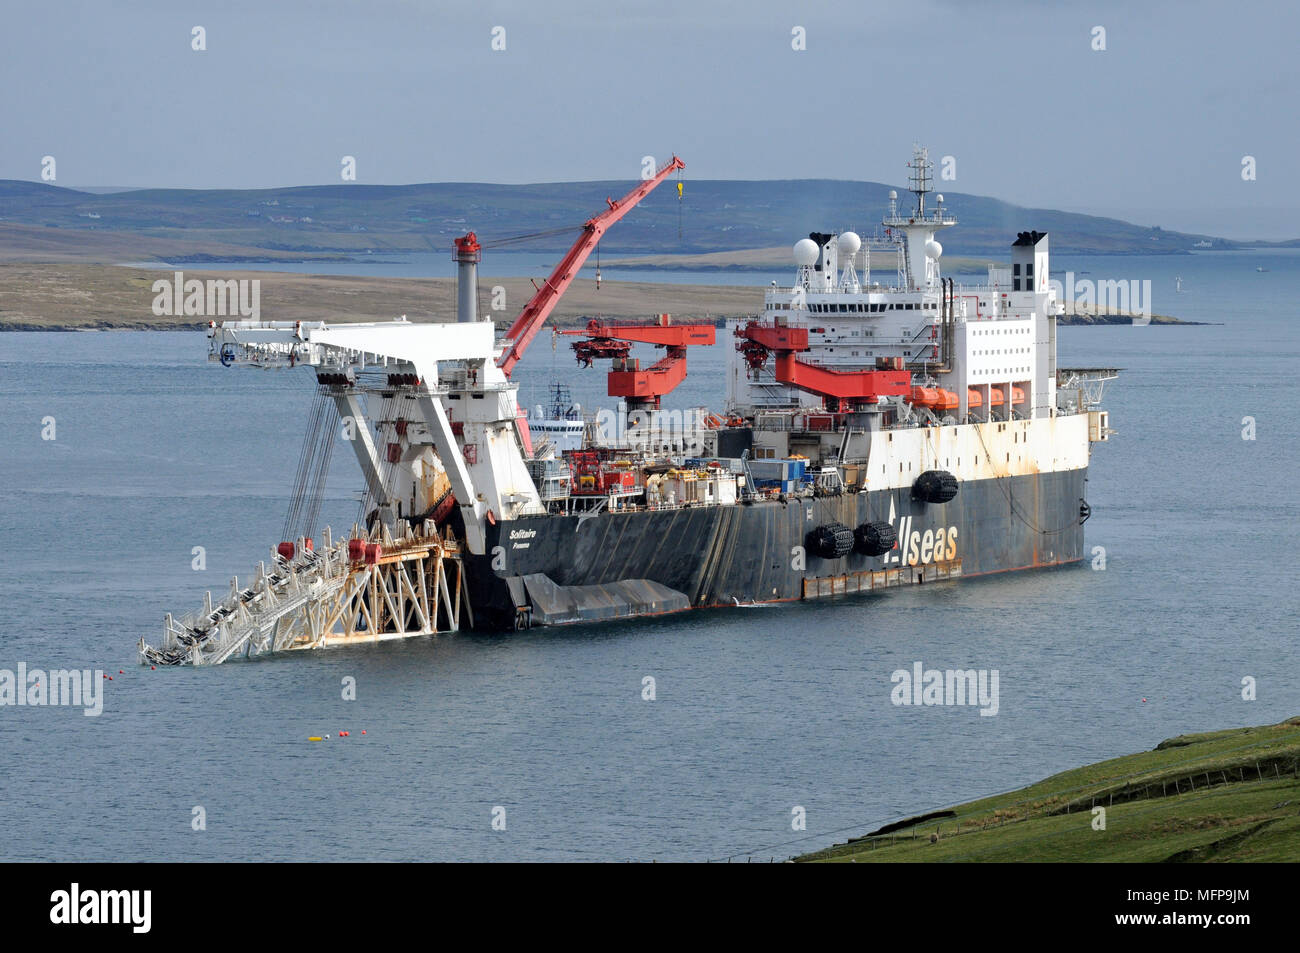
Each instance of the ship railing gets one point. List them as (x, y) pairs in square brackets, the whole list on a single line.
[(1083, 387)]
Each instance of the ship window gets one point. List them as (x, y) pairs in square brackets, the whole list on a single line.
[(1015, 269)]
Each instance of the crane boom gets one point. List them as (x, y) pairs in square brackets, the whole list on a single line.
[(538, 309)]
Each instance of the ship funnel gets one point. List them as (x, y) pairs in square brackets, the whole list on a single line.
[(468, 254)]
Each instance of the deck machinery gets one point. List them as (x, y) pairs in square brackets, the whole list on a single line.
[(444, 462)]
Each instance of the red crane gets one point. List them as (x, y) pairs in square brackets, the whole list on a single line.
[(758, 340), (642, 388), (537, 310)]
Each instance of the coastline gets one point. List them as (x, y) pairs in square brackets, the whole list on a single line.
[(84, 296), (1215, 796)]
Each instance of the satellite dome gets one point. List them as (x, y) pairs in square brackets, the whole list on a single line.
[(933, 249), (892, 195), (806, 251), (850, 243), (939, 198)]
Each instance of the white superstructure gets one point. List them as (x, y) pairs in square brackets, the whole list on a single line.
[(996, 338)]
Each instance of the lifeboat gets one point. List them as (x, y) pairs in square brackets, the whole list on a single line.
[(974, 397), (1017, 395), (947, 401), (995, 397), (925, 396)]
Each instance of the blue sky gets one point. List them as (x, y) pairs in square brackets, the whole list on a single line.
[(1152, 129)]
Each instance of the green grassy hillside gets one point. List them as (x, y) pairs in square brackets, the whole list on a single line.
[(1222, 796)]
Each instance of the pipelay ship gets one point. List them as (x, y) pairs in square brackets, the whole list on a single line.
[(875, 434)]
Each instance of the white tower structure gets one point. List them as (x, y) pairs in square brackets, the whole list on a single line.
[(919, 227)]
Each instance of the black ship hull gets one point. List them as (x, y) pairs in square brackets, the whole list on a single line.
[(561, 569)]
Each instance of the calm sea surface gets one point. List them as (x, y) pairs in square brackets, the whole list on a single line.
[(758, 710)]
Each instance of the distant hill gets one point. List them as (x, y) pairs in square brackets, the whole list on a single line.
[(714, 216)]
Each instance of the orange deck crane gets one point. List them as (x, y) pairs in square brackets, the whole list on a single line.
[(539, 308), (641, 388), (842, 389)]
